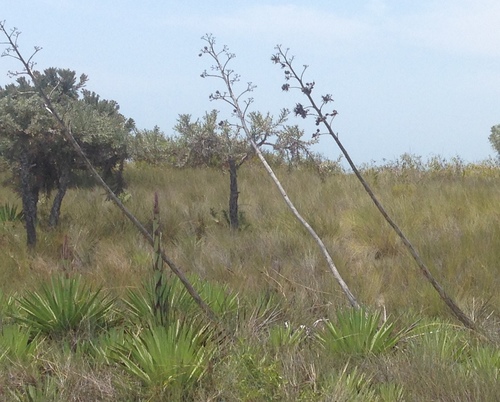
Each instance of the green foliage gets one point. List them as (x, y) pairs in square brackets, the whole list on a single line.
[(292, 148), (45, 391), (211, 142), (438, 340), (17, 344), (152, 147), (254, 376), (222, 300), (495, 138), (9, 213), (171, 358), (171, 299), (34, 144), (389, 392), (360, 333), (350, 385), (63, 307), (484, 360), (286, 337), (174, 302), (100, 128), (206, 142)]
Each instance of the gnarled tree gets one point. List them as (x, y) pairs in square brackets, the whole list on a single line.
[(39, 156), (214, 142)]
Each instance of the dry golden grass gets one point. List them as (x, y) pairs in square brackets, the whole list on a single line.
[(450, 215), (452, 219)]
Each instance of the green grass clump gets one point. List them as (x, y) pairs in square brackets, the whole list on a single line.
[(10, 213), (360, 333), (17, 344), (169, 360), (64, 306)]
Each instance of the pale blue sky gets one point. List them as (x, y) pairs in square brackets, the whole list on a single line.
[(420, 77)]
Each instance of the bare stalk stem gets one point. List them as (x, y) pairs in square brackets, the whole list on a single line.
[(321, 117)]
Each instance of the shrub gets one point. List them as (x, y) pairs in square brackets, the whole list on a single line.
[(360, 332), (168, 359)]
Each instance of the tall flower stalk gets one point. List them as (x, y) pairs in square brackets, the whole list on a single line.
[(222, 71), (295, 80)]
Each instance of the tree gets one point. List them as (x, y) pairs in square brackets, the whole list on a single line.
[(211, 142), (205, 142), (40, 157), (214, 142), (495, 138)]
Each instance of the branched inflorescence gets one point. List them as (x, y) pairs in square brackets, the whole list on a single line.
[(285, 62), (12, 50), (220, 70), (259, 128)]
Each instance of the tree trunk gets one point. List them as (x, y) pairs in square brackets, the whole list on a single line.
[(29, 196), (120, 181), (233, 195), (61, 192)]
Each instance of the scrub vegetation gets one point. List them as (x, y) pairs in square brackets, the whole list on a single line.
[(179, 295), (77, 321)]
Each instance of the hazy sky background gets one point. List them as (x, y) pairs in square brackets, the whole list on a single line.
[(419, 77)]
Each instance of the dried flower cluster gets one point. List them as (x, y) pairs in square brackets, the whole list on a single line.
[(285, 62)]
